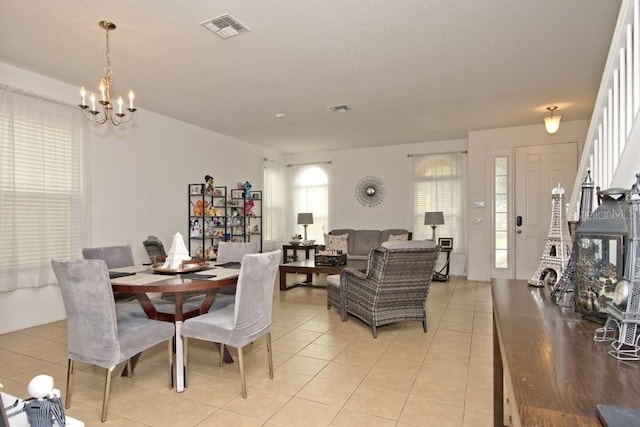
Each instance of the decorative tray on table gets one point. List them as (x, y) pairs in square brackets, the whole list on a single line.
[(186, 267)]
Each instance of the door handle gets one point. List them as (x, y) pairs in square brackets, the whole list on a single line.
[(519, 221)]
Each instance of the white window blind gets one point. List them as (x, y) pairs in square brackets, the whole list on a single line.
[(41, 188), (439, 184), (274, 205), (311, 194)]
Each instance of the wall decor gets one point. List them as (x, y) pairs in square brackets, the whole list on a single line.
[(369, 191)]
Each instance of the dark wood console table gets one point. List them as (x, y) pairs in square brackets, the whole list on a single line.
[(556, 373)]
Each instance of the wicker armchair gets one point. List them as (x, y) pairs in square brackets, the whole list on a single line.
[(393, 288)]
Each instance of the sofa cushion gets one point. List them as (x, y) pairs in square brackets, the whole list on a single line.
[(409, 244), (396, 237), (364, 241), (384, 234), (338, 243)]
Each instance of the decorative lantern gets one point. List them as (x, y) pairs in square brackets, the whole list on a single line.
[(623, 321), (601, 239)]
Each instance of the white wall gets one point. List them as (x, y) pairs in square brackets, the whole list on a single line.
[(483, 147), (139, 172), (394, 167)]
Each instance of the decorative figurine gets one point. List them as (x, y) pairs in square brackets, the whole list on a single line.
[(248, 208), (199, 252), (46, 405), (211, 253), (209, 190), (196, 228), (247, 189)]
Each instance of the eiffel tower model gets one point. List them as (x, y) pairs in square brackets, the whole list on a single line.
[(563, 293), (557, 249)]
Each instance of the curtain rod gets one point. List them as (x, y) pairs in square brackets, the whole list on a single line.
[(328, 162), (441, 152), (34, 95)]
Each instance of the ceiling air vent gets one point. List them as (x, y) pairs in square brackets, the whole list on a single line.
[(224, 26), (339, 108)]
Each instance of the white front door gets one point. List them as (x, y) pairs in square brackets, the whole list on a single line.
[(538, 170)]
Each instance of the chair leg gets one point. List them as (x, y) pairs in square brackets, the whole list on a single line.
[(424, 320), (107, 391), (129, 370), (270, 355), (67, 397), (221, 354), (374, 330), (243, 382)]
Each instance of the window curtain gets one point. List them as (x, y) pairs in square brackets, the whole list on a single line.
[(274, 203), (43, 187), (439, 184), (310, 194)]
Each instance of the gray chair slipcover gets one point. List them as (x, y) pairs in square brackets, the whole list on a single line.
[(234, 252), (115, 257), (247, 319), (95, 334), (394, 287)]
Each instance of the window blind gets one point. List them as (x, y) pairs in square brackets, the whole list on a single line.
[(40, 189)]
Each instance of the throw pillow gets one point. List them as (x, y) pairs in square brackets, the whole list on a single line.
[(394, 237), (336, 243)]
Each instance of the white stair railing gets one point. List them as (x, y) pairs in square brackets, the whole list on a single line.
[(612, 146)]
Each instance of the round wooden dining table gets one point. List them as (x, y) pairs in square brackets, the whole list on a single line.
[(146, 281)]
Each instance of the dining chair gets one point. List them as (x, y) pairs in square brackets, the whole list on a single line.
[(113, 256), (234, 252), (247, 319), (95, 335), (155, 249)]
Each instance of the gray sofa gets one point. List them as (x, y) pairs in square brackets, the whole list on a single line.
[(361, 242)]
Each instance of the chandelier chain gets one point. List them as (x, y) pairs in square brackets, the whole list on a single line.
[(107, 68)]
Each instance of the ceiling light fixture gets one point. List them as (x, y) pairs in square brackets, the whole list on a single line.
[(107, 114), (552, 120)]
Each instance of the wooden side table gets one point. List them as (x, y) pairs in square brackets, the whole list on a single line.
[(294, 250), (443, 274)]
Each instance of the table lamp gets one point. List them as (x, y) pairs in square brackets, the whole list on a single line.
[(433, 219), (305, 219)]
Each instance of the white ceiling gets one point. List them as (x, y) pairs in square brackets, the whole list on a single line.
[(411, 70)]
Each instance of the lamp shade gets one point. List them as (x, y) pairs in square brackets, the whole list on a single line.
[(433, 218), (552, 120), (305, 218)]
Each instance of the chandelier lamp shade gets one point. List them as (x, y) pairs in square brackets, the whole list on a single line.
[(107, 113), (433, 219), (552, 120), (304, 219)]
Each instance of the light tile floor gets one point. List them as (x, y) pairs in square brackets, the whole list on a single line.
[(327, 373)]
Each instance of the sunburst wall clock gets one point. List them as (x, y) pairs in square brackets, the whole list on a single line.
[(370, 191)]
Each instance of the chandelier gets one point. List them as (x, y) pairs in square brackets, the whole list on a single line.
[(107, 113)]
